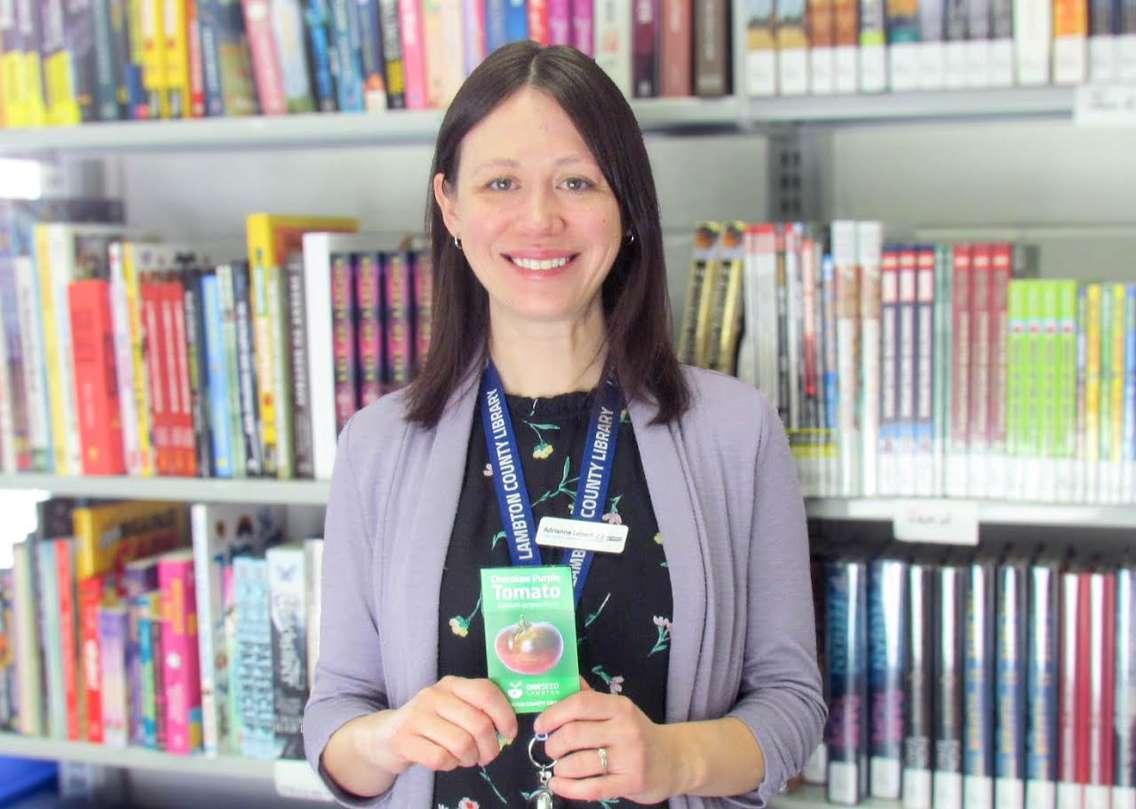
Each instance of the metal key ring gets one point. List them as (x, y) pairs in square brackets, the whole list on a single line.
[(542, 738)]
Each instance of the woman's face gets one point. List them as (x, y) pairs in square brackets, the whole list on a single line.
[(538, 223)]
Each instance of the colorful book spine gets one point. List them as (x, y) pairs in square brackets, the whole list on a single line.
[(645, 33), (413, 53), (218, 388), (1070, 41), (612, 26), (373, 64), (252, 679), (903, 42), (287, 585), (516, 20), (213, 99), (149, 656), (423, 308), (847, 648), (124, 365), (1124, 705), (873, 47), (906, 378), (1102, 687), (112, 646), (919, 730), (253, 462), (301, 381), (923, 429), (978, 30), (496, 34), (538, 21), (869, 244), (887, 614), (846, 15), (369, 327), (1011, 661), (848, 346), (1000, 258), (932, 55), (473, 35), (397, 318), (180, 663), (266, 66), (760, 48), (887, 456), (32, 321), (47, 576), (792, 47), (1093, 399), (343, 339), (96, 390), (1042, 687), (395, 72), (232, 410), (1033, 33), (978, 687), (1065, 415), (287, 25), (712, 63), (1128, 472), (583, 34), (947, 782)]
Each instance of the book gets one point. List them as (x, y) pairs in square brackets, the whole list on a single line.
[(792, 47), (887, 614), (96, 388), (646, 32), (1042, 685), (947, 781), (712, 68), (373, 63), (918, 729), (612, 27), (251, 683), (1010, 682), (287, 586), (675, 50), (846, 736), (267, 69)]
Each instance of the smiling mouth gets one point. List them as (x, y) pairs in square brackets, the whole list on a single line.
[(542, 264)]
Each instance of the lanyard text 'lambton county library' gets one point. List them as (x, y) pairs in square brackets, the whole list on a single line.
[(509, 479)]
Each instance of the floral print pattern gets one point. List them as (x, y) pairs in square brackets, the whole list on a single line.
[(621, 649)]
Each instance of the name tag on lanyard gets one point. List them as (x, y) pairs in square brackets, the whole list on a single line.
[(582, 535)]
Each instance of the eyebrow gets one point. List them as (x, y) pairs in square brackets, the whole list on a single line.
[(506, 162)]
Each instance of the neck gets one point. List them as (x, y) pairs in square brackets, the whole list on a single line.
[(546, 359)]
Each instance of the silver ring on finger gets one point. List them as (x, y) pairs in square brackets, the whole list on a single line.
[(602, 753)]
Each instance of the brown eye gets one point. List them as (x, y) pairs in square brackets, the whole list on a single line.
[(500, 184)]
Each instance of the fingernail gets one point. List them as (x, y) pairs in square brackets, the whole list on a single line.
[(503, 741)]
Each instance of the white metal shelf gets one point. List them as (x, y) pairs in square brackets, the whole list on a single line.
[(663, 115), (12, 744), (1009, 103), (198, 490), (990, 512), (321, 130), (812, 797)]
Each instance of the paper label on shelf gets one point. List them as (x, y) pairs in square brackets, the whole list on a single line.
[(1105, 105), (295, 779), (943, 522)]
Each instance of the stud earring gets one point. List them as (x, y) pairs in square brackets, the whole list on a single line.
[(457, 243)]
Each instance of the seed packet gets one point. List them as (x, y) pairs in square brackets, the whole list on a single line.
[(530, 634)]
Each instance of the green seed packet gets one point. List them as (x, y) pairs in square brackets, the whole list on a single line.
[(530, 634)]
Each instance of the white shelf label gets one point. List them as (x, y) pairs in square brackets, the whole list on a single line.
[(943, 522), (295, 779), (1105, 105)]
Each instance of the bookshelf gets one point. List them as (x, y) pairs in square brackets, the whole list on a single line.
[(812, 797), (656, 116)]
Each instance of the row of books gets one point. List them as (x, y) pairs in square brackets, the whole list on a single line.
[(124, 356), (161, 626), (996, 680), (798, 47), (922, 370), (69, 63)]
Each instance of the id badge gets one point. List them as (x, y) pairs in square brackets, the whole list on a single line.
[(598, 537)]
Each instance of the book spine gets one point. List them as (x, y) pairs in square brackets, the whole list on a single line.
[(232, 410), (196, 59), (317, 18), (887, 611), (1124, 715), (266, 65), (70, 649), (978, 24), (1066, 413), (1093, 398), (214, 99), (264, 359), (869, 240), (1000, 69), (612, 27), (218, 379), (96, 388), (28, 642), (35, 365), (413, 53), (932, 55), (846, 16), (792, 47), (821, 16), (495, 31), (423, 307), (180, 663), (175, 46), (1102, 685), (516, 20), (873, 47), (105, 77), (712, 46), (848, 353), (197, 365), (157, 371), (287, 25), (395, 71), (919, 730), (978, 686), (846, 605), (253, 460), (960, 373), (112, 644), (148, 655), (1010, 680), (1018, 387), (538, 28), (1033, 32), (124, 363), (47, 578), (947, 783), (645, 35), (13, 359), (1070, 41), (287, 589), (583, 36), (276, 282), (253, 671), (1000, 259), (182, 423), (1128, 473), (924, 408), (343, 339), (140, 366), (905, 378), (887, 456), (368, 328), (473, 34), (301, 382), (902, 25), (89, 593), (1042, 749), (55, 272), (396, 297)]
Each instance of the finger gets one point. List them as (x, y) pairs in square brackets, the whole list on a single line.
[(581, 764), (487, 696), (583, 705), (450, 737), (422, 751), (473, 721), (580, 735), (589, 789)]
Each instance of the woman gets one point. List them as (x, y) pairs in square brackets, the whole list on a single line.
[(551, 305)]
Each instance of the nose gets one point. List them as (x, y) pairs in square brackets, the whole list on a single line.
[(542, 212)]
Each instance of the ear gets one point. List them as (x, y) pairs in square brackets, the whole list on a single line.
[(443, 196)]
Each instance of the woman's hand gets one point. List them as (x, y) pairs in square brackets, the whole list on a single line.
[(642, 761), (457, 722)]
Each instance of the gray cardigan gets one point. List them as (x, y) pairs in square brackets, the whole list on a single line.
[(724, 490)]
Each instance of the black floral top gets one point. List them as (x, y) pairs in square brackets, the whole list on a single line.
[(623, 621)]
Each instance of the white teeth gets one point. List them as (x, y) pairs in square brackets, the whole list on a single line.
[(534, 264)]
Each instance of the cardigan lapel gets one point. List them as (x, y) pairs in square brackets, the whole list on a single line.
[(424, 541), (660, 454)]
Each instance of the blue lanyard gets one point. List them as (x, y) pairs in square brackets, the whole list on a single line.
[(509, 478)]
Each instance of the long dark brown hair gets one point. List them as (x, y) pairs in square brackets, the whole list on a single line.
[(635, 304)]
